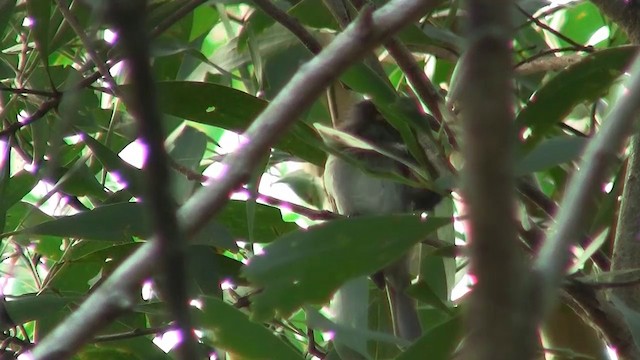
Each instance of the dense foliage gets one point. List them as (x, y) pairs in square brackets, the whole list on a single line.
[(71, 178)]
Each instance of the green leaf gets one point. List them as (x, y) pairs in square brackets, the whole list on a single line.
[(439, 342), (630, 316), (294, 271), (586, 19), (118, 222), (31, 307), (350, 335), (209, 269), (115, 223), (5, 183), (6, 11), (551, 152), (204, 18), (267, 226), (362, 79), (188, 150), (314, 13), (306, 186), (230, 109), (76, 277), (74, 180), (230, 329), (129, 174), (425, 294), (40, 14), (583, 81), (24, 214)]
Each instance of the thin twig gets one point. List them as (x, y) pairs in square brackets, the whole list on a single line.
[(133, 334), (291, 23), (28, 91), (312, 214), (174, 17), (545, 53), (554, 31), (312, 348), (44, 108)]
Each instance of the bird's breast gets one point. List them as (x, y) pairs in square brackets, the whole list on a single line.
[(358, 193)]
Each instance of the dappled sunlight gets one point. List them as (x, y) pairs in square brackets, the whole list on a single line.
[(168, 340), (110, 36), (216, 171), (135, 153), (227, 284), (28, 22), (196, 304)]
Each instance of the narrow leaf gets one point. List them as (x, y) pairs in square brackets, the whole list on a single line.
[(307, 266), (231, 330)]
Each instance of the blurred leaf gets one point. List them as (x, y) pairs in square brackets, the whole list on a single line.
[(230, 109), (268, 223), (75, 277), (586, 19), (229, 329), (40, 14), (255, 24), (25, 214), (630, 316), (336, 139), (229, 57), (609, 277), (294, 271), (425, 294), (350, 335), (380, 321), (5, 183), (209, 269), (362, 79), (187, 151), (583, 81), (549, 153), (6, 11), (114, 223), (306, 186), (204, 19), (588, 252), (119, 222), (130, 175), (63, 34), (74, 180), (314, 14), (29, 307), (439, 341)]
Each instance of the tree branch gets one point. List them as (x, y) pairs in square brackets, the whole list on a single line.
[(494, 326)]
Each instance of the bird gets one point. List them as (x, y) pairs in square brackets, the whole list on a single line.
[(354, 192)]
